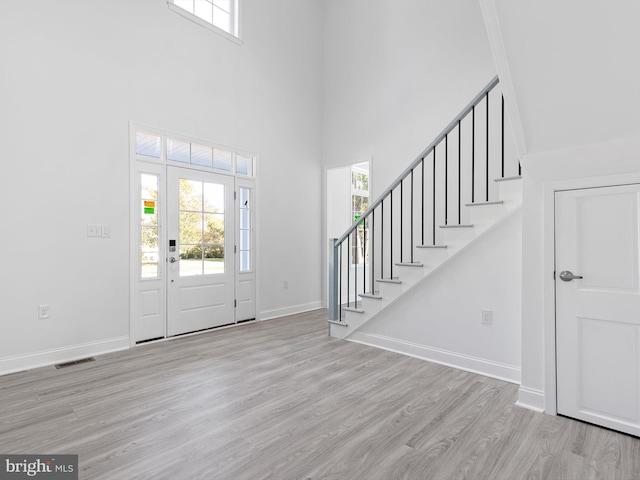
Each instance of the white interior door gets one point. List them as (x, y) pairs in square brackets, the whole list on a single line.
[(598, 315), (201, 270)]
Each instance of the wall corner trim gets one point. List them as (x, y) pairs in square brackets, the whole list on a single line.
[(531, 399)]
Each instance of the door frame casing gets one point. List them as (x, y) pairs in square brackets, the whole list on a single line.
[(549, 293)]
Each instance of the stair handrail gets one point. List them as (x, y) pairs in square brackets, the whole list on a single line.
[(425, 153)]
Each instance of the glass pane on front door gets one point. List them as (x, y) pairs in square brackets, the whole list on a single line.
[(202, 232)]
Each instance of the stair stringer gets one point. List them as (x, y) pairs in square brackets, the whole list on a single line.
[(457, 241), (491, 350)]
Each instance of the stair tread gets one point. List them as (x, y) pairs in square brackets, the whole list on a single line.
[(507, 179), (370, 295), (456, 226), (388, 280), (353, 309), (432, 246), (480, 204), (337, 322), (410, 264)]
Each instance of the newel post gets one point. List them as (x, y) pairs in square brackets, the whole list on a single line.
[(333, 280)]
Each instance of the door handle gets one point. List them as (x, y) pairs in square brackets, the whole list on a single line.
[(567, 276), (173, 260)]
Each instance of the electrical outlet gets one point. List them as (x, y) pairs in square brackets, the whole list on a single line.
[(43, 311), (286, 284), (487, 317)]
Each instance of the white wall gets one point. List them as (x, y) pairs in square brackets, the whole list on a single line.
[(440, 317), (74, 74), (574, 69), (396, 72), (338, 201)]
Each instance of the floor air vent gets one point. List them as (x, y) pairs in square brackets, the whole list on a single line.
[(75, 362)]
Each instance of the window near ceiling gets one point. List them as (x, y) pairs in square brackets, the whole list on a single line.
[(220, 16)]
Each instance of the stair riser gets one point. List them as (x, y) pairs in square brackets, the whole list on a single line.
[(391, 290), (352, 318), (372, 306), (433, 257), (338, 331), (458, 237), (483, 216), (510, 192), (410, 274)]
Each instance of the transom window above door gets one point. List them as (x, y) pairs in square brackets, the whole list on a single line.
[(220, 16), (200, 155)]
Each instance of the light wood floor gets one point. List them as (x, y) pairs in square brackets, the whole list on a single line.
[(281, 400)]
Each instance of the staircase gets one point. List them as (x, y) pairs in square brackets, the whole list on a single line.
[(460, 188)]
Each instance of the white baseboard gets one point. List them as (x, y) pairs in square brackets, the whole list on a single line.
[(283, 312), (531, 399), (60, 355), (481, 366)]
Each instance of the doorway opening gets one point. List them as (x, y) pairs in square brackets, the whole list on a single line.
[(348, 190)]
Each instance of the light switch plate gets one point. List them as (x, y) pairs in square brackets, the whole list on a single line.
[(94, 230)]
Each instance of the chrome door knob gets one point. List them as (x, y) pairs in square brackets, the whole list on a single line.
[(173, 260), (567, 276)]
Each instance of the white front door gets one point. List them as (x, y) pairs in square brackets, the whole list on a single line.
[(200, 244), (598, 315)]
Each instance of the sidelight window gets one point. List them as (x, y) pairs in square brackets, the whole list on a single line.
[(149, 247), (246, 229)]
